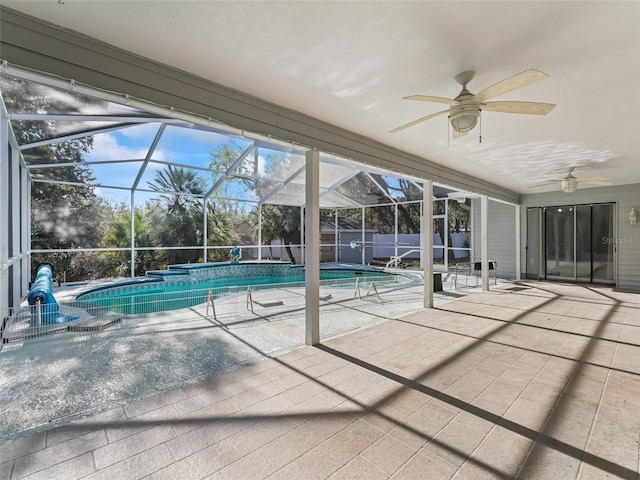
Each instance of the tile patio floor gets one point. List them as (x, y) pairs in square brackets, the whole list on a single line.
[(531, 381)]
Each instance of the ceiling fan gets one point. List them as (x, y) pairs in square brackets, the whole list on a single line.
[(466, 107), (569, 184)]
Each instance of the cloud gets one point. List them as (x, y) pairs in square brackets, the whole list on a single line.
[(107, 147)]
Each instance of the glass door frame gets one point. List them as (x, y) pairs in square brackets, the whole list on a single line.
[(540, 244), (545, 257), (534, 246)]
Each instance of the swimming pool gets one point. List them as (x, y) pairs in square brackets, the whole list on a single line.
[(183, 286)]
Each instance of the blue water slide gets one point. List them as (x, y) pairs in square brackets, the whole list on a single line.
[(42, 290)]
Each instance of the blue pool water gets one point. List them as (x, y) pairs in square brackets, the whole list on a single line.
[(190, 285)]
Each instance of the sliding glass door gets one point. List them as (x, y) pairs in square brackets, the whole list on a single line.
[(603, 243), (534, 244), (576, 243), (584, 243), (560, 243)]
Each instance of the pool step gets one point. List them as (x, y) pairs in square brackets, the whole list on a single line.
[(269, 303)]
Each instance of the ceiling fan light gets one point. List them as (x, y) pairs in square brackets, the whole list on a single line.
[(464, 118), (569, 184)]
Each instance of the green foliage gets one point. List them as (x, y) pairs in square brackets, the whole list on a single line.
[(375, 189), (67, 216), (119, 236), (74, 266), (220, 232), (63, 216), (176, 218), (279, 222), (459, 216)]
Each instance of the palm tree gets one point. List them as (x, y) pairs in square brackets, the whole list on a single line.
[(119, 236), (181, 225), (186, 184), (218, 231)]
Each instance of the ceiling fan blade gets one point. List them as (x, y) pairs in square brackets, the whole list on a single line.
[(509, 84), (529, 108), (544, 184), (416, 122), (428, 98), (595, 181)]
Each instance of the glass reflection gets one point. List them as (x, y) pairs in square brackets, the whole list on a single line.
[(603, 243), (560, 242)]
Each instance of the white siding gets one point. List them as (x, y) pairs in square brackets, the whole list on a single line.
[(502, 236)]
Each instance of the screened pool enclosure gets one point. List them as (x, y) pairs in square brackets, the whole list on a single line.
[(101, 185)]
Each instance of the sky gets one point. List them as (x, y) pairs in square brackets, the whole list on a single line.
[(193, 147), (182, 144), (189, 147), (179, 145)]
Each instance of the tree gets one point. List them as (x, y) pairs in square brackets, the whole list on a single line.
[(280, 222), (459, 215), (255, 176), (63, 216), (119, 236), (218, 231), (374, 189), (269, 226), (177, 220), (178, 188), (229, 181)]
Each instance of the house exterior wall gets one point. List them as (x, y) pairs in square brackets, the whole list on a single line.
[(502, 236), (627, 238)]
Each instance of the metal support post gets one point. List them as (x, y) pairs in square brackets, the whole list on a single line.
[(312, 260), (249, 299), (484, 228), (427, 242)]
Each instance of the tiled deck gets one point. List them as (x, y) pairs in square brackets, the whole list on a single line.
[(537, 380)]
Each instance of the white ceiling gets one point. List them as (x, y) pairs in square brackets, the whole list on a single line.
[(350, 64)]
